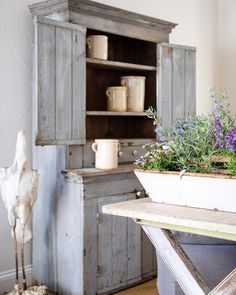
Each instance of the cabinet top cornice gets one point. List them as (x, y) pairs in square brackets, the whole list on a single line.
[(92, 8)]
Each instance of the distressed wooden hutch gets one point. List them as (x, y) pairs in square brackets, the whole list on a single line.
[(77, 250)]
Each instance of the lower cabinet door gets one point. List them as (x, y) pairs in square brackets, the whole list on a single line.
[(119, 248), (149, 260)]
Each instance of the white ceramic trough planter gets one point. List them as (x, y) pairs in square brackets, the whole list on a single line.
[(208, 191)]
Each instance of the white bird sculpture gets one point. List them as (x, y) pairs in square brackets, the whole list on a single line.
[(19, 188)]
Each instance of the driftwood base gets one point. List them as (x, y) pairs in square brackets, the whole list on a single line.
[(34, 290)]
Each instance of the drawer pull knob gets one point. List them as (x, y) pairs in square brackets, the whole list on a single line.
[(139, 194), (120, 154), (134, 153)]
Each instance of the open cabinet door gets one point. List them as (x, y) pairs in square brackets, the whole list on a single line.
[(176, 82), (60, 79)]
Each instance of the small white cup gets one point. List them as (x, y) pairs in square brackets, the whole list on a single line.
[(106, 153), (136, 92), (97, 46), (117, 99)]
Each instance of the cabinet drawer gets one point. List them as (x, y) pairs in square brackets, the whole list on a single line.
[(129, 152), (105, 186)]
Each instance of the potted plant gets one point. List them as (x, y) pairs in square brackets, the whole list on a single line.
[(193, 163)]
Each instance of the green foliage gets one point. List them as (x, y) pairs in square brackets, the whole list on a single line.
[(191, 145), (231, 166), (192, 142), (221, 109)]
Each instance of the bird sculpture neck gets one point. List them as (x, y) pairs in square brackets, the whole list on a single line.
[(21, 154)]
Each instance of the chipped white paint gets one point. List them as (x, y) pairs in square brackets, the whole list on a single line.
[(35, 290), (204, 191)]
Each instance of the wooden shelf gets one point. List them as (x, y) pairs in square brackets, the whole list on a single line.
[(106, 113), (90, 172), (115, 65)]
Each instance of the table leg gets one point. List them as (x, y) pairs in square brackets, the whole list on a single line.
[(176, 259), (182, 268)]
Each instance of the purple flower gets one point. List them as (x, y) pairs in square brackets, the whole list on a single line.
[(161, 138), (218, 125), (218, 133), (183, 127), (179, 129), (230, 140)]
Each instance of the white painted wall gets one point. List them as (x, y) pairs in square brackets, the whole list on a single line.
[(15, 103), (197, 27), (226, 48)]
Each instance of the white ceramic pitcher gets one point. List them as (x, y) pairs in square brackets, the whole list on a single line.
[(106, 153), (97, 46), (136, 92)]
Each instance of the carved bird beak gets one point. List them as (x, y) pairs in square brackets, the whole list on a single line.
[(21, 138), (21, 153)]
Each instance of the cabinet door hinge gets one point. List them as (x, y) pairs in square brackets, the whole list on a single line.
[(98, 270), (98, 218)]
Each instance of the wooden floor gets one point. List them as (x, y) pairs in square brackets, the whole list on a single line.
[(148, 288)]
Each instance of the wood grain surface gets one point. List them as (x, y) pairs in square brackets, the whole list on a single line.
[(199, 221)]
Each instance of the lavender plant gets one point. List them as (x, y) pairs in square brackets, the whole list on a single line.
[(193, 141)]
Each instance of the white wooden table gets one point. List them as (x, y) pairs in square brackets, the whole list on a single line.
[(158, 219)]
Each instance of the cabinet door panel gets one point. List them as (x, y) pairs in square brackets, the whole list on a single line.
[(63, 51), (134, 268), (90, 247), (190, 88), (119, 247), (60, 101), (178, 93), (46, 82), (176, 82), (119, 250), (147, 256), (112, 254)]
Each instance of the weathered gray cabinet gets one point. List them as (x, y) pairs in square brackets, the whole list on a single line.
[(70, 101), (77, 250)]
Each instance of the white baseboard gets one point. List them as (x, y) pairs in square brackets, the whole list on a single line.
[(7, 278)]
